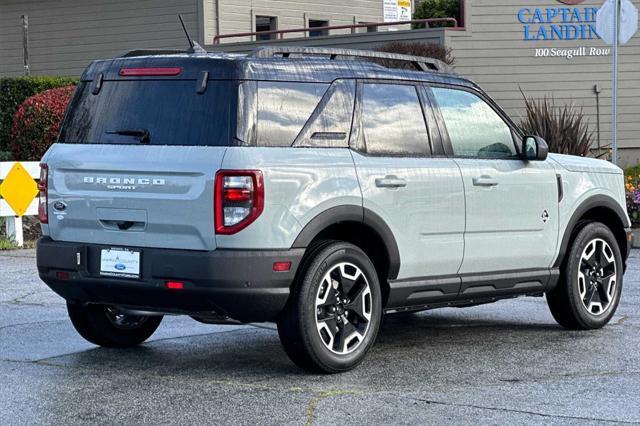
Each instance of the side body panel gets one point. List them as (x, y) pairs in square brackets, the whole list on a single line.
[(582, 180), (512, 225), (299, 184), (427, 216)]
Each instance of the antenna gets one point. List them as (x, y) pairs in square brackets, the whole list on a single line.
[(194, 47), (186, 32)]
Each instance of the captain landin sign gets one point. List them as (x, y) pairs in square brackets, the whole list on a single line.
[(559, 23)]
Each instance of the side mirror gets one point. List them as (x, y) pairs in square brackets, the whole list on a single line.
[(534, 148)]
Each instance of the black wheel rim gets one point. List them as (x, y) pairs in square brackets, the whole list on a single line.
[(597, 277), (343, 308)]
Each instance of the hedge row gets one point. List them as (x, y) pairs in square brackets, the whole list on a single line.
[(13, 91)]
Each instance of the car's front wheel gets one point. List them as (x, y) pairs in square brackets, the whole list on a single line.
[(107, 326), (590, 285), (334, 313)]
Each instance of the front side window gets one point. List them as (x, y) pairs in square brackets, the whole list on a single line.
[(283, 110), (475, 129), (392, 120)]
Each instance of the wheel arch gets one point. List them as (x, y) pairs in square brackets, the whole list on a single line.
[(601, 208), (361, 227)]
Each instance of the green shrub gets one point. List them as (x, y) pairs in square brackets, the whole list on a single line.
[(437, 9), (419, 48), (37, 123), (564, 127), (13, 91)]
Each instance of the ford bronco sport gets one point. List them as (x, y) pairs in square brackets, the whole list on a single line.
[(317, 188)]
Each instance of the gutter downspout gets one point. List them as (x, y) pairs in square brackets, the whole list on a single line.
[(217, 17)]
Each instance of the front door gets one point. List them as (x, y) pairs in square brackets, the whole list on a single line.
[(511, 204)]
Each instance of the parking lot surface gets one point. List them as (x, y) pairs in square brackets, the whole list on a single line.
[(506, 362)]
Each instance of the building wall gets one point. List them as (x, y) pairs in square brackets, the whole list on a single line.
[(238, 16), (492, 51), (65, 35)]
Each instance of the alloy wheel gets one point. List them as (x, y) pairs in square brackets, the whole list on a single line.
[(597, 277), (343, 308)]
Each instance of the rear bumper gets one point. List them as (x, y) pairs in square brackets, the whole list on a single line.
[(237, 283)]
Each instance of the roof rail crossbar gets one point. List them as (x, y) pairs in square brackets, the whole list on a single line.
[(419, 62)]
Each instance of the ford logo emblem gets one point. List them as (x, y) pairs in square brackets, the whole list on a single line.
[(120, 267), (59, 205)]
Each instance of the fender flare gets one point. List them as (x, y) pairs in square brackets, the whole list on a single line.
[(352, 213), (588, 204)]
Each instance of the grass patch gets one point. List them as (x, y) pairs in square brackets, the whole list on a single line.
[(6, 244)]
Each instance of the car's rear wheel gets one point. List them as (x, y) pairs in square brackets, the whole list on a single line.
[(334, 313), (107, 326), (590, 285)]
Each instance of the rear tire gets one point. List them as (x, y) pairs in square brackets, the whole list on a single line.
[(104, 326), (590, 285), (333, 315)]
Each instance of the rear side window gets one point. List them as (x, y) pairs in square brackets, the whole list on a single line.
[(474, 128), (283, 110), (168, 112), (392, 120)]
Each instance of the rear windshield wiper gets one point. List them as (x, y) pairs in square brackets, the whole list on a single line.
[(143, 135)]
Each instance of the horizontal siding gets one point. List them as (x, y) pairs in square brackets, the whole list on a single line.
[(492, 52), (237, 15), (64, 36)]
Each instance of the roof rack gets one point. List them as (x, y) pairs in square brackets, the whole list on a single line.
[(419, 62), (148, 52)]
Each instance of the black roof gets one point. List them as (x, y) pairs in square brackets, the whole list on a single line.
[(223, 66)]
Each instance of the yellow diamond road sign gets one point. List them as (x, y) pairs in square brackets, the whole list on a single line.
[(18, 189)]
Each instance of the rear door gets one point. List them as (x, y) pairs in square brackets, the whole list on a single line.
[(136, 160), (511, 204), (409, 184)]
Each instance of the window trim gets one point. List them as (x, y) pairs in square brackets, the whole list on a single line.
[(516, 134), (357, 142)]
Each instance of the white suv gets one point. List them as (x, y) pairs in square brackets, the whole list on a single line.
[(316, 188)]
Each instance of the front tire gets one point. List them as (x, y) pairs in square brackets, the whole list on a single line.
[(333, 316), (590, 285), (104, 326)]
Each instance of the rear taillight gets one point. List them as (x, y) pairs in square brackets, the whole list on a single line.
[(239, 199), (43, 196)]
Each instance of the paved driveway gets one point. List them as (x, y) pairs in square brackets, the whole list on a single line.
[(499, 363)]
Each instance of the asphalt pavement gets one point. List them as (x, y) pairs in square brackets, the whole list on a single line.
[(507, 362)]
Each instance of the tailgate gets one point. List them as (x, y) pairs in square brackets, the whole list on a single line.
[(133, 195)]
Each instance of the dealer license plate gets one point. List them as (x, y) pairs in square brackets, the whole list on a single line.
[(120, 262)]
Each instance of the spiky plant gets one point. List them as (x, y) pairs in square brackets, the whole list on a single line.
[(564, 127), (415, 48)]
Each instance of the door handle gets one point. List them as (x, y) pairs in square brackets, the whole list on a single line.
[(390, 181), (484, 180)]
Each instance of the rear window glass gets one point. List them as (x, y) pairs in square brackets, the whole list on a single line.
[(154, 112), (283, 109)]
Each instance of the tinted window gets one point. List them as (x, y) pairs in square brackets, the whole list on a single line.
[(330, 123), (283, 109), (475, 129), (392, 120), (171, 112)]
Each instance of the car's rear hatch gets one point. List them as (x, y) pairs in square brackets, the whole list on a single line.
[(138, 152)]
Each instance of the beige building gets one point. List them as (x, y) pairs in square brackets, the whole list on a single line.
[(544, 47)]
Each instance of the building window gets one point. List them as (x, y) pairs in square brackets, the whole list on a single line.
[(266, 23), (370, 28), (317, 23)]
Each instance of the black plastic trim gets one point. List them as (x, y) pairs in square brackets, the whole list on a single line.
[(468, 288), (352, 213), (588, 204), (238, 283)]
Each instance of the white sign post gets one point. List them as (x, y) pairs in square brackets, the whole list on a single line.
[(616, 23)]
